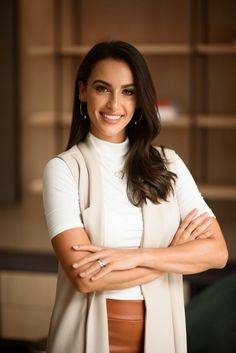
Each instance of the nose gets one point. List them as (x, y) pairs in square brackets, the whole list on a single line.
[(113, 102)]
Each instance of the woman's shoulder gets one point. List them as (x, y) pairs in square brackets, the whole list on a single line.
[(61, 164), (168, 154), (56, 169), (69, 152)]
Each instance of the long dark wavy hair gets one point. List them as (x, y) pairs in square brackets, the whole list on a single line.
[(145, 168)]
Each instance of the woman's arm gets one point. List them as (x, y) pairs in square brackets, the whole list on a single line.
[(62, 244), (191, 256), (189, 252), (192, 250)]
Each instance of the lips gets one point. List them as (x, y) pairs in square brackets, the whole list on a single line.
[(111, 117)]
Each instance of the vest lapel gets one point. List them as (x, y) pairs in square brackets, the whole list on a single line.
[(95, 209), (97, 326)]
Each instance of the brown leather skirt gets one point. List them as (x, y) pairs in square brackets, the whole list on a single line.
[(126, 323)]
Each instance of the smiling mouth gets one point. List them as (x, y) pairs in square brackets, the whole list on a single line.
[(112, 117)]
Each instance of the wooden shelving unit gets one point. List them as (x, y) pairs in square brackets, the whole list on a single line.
[(190, 49)]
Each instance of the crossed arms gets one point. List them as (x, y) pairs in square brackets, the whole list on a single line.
[(197, 245)]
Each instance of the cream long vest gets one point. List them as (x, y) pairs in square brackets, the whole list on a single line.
[(79, 321)]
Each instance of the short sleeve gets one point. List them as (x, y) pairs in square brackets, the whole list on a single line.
[(60, 198), (188, 194)]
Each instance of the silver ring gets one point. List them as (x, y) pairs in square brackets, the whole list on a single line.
[(101, 263)]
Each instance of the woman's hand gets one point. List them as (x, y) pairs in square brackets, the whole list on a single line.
[(104, 260), (192, 228)]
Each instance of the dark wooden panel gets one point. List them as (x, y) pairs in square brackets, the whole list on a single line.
[(222, 84), (9, 127), (221, 166), (221, 21)]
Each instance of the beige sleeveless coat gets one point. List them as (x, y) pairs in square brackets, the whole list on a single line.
[(79, 321)]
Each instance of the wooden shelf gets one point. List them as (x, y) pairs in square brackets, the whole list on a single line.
[(148, 49), (46, 50), (74, 50), (42, 119), (216, 49), (164, 48), (176, 122), (218, 192), (48, 119), (216, 121)]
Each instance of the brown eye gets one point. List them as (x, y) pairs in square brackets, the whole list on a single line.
[(101, 89), (129, 92)]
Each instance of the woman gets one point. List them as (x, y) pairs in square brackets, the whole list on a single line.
[(126, 219)]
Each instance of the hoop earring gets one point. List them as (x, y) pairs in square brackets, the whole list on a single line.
[(137, 121), (81, 110)]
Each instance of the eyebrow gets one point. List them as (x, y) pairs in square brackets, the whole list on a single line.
[(109, 85)]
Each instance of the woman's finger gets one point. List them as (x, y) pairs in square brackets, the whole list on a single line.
[(103, 272), (191, 227), (89, 258), (202, 228), (206, 234), (188, 219), (183, 231), (197, 222), (87, 247), (93, 269)]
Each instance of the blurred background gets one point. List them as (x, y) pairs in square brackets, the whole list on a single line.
[(190, 48)]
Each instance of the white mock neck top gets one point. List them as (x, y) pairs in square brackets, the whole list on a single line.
[(123, 221)]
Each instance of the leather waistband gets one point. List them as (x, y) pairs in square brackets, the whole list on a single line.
[(126, 309)]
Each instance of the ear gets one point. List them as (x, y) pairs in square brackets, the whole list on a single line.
[(82, 92)]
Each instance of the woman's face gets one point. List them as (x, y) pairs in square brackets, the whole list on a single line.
[(111, 99)]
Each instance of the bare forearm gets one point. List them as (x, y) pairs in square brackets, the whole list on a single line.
[(191, 256), (119, 280)]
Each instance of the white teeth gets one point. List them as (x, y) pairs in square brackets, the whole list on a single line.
[(112, 117)]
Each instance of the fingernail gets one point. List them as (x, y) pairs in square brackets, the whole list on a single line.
[(75, 247), (82, 274), (75, 265), (209, 232)]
